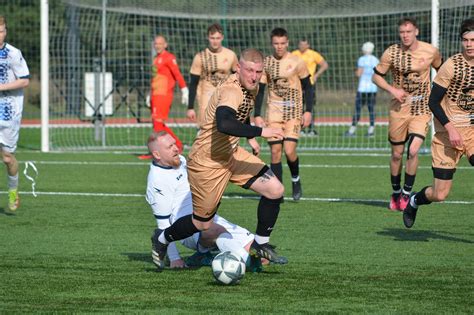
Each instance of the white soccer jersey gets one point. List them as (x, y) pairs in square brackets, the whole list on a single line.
[(168, 192), (12, 67)]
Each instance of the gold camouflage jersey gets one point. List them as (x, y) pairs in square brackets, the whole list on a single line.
[(285, 96), (411, 72), (212, 148), (212, 68), (457, 76)]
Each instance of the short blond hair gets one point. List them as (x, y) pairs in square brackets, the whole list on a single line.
[(151, 143), (252, 55)]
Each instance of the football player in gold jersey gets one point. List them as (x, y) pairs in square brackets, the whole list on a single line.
[(216, 159), (209, 68), (452, 103), (288, 83), (409, 63)]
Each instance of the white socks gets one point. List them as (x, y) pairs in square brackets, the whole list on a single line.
[(225, 242), (13, 181)]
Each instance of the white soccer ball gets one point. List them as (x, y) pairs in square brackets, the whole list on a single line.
[(228, 268)]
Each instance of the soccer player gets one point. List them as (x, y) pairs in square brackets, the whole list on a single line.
[(14, 77), (216, 159), (287, 78), (409, 120), (452, 103), (165, 74), (209, 68), (169, 195), (366, 91), (314, 61)]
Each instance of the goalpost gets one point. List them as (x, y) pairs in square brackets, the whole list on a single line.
[(104, 47)]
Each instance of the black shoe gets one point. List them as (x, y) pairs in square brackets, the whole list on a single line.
[(158, 249), (297, 192), (267, 251), (409, 215)]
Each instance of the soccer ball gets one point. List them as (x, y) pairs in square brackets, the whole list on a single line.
[(228, 268)]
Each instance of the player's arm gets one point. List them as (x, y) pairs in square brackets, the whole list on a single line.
[(436, 96), (15, 85), (227, 123), (322, 67), (257, 114), (193, 84), (437, 60), (379, 77), (173, 66)]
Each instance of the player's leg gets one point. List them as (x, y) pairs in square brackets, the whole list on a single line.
[(444, 161), (276, 148), (160, 107), (293, 162), (312, 129), (292, 131), (356, 116), (8, 143), (371, 108), (413, 147), (397, 136), (396, 175), (249, 171)]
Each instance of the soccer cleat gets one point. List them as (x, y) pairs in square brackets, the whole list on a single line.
[(13, 200), (297, 192), (394, 204), (158, 249), (409, 214), (253, 264), (403, 201), (267, 251)]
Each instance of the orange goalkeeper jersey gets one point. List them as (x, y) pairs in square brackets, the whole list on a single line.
[(165, 73)]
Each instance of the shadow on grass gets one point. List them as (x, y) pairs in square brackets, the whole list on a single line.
[(421, 235), (6, 213), (372, 203)]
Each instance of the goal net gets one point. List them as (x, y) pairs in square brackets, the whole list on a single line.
[(101, 52)]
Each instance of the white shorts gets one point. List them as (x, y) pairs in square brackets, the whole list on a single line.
[(9, 132), (241, 235)]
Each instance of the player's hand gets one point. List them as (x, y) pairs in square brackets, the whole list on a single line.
[(259, 122), (455, 137), (399, 94), (184, 96), (272, 133), (177, 264), (306, 121), (191, 114), (255, 146)]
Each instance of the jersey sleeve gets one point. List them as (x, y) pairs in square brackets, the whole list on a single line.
[(196, 66), (318, 58), (19, 67), (445, 74), (231, 97), (385, 63), (173, 66), (264, 78)]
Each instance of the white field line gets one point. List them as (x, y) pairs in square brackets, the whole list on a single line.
[(147, 163), (85, 194)]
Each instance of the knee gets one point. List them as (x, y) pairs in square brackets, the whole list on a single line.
[(276, 192), (7, 158), (412, 154), (202, 225), (397, 156)]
